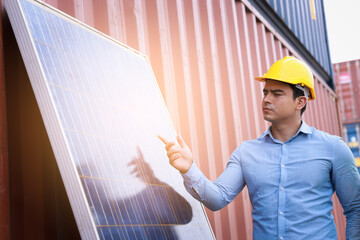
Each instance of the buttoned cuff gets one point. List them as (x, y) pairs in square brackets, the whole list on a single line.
[(192, 174), (192, 181)]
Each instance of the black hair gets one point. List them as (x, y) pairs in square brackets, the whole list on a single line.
[(298, 93)]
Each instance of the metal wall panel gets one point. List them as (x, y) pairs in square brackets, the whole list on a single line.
[(347, 83), (205, 55), (306, 19), (352, 138)]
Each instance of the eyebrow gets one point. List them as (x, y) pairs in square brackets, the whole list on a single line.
[(274, 91)]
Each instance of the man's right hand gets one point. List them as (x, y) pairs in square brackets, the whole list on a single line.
[(179, 154)]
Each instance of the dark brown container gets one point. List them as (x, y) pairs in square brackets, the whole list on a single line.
[(4, 164)]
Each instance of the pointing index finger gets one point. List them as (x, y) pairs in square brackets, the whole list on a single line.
[(164, 140)]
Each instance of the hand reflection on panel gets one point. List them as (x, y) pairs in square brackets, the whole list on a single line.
[(172, 207), (142, 169), (164, 203), (151, 213)]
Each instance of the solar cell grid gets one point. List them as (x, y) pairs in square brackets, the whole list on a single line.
[(108, 111)]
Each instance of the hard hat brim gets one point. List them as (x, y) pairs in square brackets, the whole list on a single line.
[(262, 79)]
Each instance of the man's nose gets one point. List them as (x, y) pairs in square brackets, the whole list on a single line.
[(267, 98)]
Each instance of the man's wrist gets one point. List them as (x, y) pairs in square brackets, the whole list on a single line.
[(185, 171)]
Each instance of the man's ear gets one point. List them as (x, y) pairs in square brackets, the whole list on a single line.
[(301, 102)]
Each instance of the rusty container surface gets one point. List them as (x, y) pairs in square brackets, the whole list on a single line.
[(347, 83), (205, 55)]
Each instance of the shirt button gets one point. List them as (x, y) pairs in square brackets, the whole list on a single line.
[(281, 238), (282, 188), (282, 165), (281, 213)]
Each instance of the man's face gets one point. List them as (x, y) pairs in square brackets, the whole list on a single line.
[(278, 102)]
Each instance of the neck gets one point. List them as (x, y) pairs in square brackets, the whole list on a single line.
[(284, 131)]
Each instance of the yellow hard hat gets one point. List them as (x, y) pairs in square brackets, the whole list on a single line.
[(291, 70)]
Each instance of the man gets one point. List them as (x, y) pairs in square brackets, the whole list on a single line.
[(291, 170)]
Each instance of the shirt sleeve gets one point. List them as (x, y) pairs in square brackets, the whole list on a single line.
[(215, 195), (346, 180)]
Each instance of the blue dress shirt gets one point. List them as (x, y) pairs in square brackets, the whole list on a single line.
[(290, 185)]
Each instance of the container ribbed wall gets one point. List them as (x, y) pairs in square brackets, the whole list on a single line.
[(347, 82), (352, 138), (306, 19), (205, 55)]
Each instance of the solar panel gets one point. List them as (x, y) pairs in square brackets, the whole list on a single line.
[(103, 110)]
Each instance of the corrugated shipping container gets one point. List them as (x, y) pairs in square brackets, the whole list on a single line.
[(347, 83), (205, 55), (352, 138), (302, 22)]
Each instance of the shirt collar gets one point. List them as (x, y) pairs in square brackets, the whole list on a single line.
[(303, 128)]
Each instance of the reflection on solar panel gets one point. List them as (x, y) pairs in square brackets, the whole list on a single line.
[(103, 110)]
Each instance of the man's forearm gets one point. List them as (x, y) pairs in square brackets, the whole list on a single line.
[(202, 189), (214, 195), (353, 223)]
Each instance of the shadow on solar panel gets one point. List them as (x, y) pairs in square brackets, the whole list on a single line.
[(103, 110), (154, 210)]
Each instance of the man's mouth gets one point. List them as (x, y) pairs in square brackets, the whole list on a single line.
[(266, 109)]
